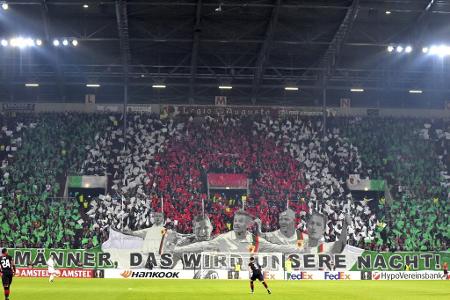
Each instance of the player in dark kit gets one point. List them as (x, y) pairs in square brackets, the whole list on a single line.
[(256, 273), (7, 269)]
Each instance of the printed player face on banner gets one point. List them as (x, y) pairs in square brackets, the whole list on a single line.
[(158, 218), (287, 222), (240, 223), (202, 229), (316, 227)]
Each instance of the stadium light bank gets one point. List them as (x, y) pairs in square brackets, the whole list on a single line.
[(21, 42), (29, 42), (442, 50)]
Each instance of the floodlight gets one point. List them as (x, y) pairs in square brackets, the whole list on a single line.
[(32, 84), (291, 88)]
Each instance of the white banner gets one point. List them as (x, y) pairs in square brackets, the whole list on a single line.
[(108, 108), (139, 108)]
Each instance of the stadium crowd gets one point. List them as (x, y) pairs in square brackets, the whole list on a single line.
[(286, 161), (162, 165), (412, 156), (127, 207), (39, 150)]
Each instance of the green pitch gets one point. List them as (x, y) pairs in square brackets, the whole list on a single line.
[(120, 289)]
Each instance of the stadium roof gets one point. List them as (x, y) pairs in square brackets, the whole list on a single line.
[(258, 47)]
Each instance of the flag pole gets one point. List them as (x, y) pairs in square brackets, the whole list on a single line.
[(121, 221), (203, 207)]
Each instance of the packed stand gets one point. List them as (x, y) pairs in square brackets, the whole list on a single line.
[(43, 150), (127, 207), (412, 156), (167, 161)]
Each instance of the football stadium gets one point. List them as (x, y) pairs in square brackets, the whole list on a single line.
[(224, 149)]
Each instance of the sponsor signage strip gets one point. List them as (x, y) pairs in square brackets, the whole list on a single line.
[(403, 275), (64, 273), (232, 275)]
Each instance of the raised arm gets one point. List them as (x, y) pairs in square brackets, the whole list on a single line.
[(139, 233), (338, 246), (265, 246), (259, 232), (198, 247)]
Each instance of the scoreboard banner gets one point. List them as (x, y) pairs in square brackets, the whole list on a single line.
[(136, 259)]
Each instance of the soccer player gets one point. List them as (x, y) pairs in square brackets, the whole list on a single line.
[(256, 273), (51, 269), (7, 269), (445, 268)]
